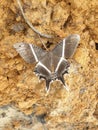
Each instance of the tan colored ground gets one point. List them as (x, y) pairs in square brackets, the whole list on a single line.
[(76, 110)]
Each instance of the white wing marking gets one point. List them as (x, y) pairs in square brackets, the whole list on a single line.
[(61, 59), (39, 63), (59, 63), (33, 52)]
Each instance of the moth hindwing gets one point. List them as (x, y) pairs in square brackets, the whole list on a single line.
[(57, 58)]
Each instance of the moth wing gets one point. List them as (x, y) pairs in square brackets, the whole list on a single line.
[(43, 69), (57, 51), (67, 47), (44, 65), (55, 61), (29, 52), (61, 66), (43, 72), (71, 44)]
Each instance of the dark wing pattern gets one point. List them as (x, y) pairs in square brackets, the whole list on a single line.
[(61, 68), (29, 52), (43, 72), (67, 47), (43, 69)]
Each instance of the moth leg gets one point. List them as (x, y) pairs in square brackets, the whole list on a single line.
[(62, 80)]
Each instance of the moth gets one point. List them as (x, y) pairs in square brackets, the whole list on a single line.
[(51, 65)]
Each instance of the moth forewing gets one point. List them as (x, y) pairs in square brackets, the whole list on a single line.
[(71, 44), (25, 52), (67, 46), (29, 52)]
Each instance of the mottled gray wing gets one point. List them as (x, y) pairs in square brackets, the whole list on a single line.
[(29, 52), (67, 47)]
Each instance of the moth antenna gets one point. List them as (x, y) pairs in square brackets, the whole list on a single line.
[(42, 42)]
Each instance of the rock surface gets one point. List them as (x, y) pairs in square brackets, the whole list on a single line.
[(77, 109)]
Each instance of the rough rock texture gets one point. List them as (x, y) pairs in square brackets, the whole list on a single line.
[(77, 109)]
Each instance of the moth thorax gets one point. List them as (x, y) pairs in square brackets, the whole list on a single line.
[(53, 75)]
